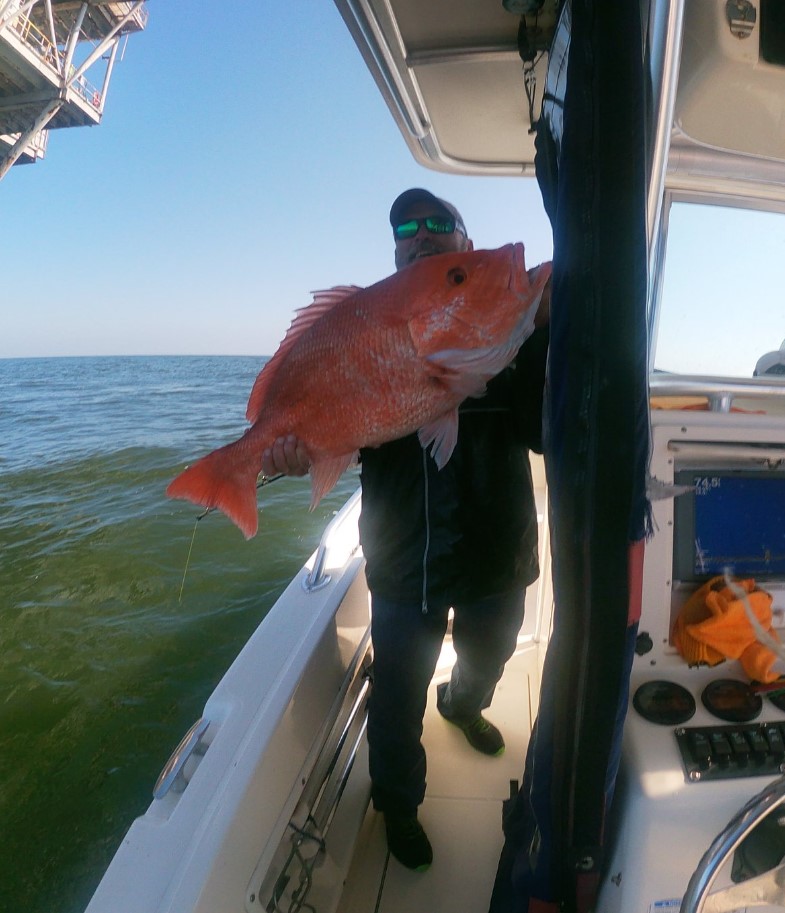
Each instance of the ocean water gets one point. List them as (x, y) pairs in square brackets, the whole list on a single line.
[(103, 666)]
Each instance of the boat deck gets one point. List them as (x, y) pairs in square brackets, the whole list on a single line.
[(462, 812)]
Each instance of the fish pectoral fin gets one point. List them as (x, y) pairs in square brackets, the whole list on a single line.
[(467, 371), (441, 435), (325, 472), (461, 383)]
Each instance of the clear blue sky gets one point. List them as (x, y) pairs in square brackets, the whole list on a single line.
[(245, 158)]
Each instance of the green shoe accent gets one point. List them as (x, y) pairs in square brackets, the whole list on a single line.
[(480, 734), (483, 736)]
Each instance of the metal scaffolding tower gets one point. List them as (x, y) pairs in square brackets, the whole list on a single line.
[(46, 48)]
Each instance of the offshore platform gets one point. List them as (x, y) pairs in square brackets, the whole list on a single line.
[(48, 48)]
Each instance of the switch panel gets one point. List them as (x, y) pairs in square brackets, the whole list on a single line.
[(726, 752)]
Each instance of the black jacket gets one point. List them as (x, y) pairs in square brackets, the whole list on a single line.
[(469, 530)]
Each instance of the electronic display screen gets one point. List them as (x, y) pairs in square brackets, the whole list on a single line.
[(733, 521)]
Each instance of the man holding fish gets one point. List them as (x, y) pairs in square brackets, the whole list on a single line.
[(453, 527)]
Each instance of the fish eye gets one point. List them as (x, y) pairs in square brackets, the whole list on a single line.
[(456, 276)]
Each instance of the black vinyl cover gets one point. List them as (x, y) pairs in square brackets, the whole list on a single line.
[(593, 180)]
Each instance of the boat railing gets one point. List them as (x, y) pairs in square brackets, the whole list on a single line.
[(719, 391)]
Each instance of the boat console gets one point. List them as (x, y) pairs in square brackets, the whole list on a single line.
[(699, 741)]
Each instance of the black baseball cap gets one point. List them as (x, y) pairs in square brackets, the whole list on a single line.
[(418, 195)]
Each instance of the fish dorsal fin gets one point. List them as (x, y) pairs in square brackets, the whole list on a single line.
[(323, 302)]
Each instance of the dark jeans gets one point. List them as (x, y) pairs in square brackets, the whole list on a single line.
[(406, 645)]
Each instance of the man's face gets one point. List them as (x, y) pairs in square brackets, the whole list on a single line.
[(425, 244)]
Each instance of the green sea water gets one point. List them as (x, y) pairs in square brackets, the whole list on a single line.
[(103, 665)]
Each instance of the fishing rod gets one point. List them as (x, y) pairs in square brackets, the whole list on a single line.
[(261, 482)]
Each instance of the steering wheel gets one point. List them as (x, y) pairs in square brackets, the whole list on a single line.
[(762, 890)]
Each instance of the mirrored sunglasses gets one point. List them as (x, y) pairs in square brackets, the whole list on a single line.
[(436, 225)]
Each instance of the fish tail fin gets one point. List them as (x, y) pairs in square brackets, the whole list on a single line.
[(224, 479)]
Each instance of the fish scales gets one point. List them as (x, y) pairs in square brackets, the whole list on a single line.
[(360, 367), (384, 371)]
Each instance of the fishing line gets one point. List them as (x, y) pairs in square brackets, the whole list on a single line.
[(264, 480), (188, 558)]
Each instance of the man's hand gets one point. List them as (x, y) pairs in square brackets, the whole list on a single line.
[(287, 455)]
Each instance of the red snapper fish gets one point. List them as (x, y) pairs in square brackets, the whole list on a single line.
[(362, 366)]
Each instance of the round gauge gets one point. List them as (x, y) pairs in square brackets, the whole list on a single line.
[(731, 700), (778, 699), (664, 702)]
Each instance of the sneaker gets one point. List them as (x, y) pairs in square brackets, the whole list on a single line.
[(480, 734), (408, 842)]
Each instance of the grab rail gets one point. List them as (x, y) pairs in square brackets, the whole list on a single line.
[(719, 391)]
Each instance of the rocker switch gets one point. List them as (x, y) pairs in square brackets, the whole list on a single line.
[(700, 750), (741, 748), (776, 744), (720, 748)]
